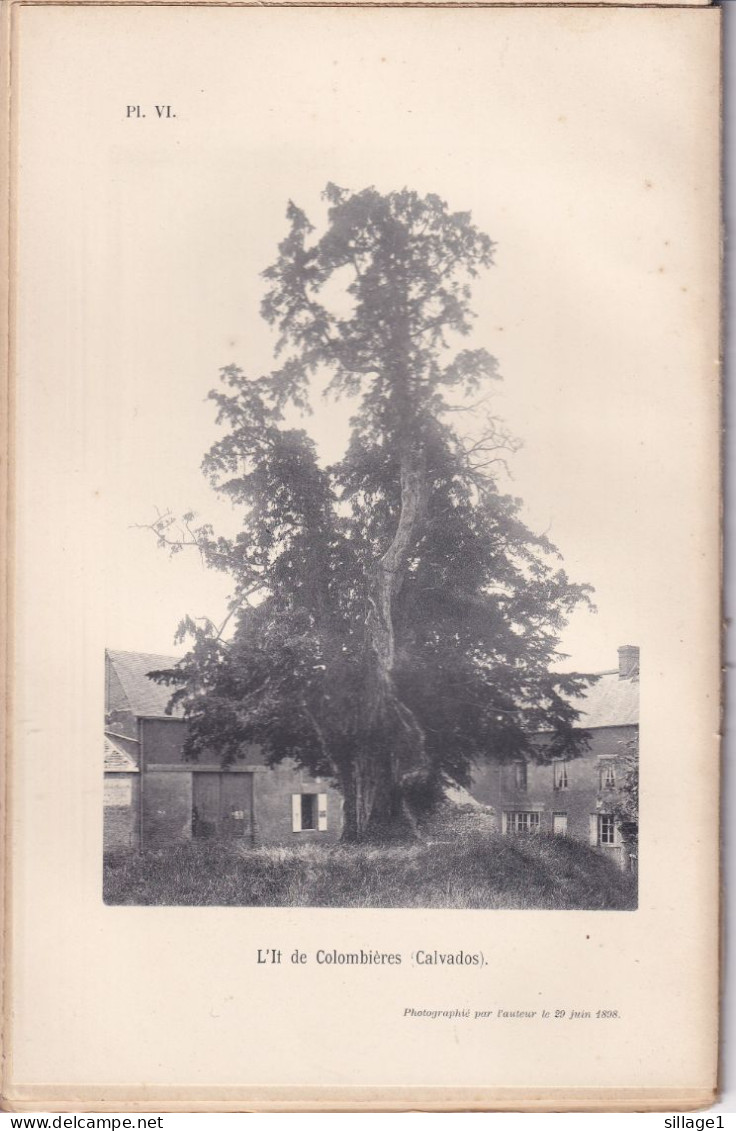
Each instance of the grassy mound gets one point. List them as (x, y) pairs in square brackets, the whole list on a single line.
[(483, 870)]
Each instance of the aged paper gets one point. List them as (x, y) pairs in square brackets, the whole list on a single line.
[(154, 151)]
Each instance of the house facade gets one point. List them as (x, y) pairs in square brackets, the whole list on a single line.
[(575, 797), (154, 797)]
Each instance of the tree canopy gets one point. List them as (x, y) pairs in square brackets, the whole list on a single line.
[(393, 619)]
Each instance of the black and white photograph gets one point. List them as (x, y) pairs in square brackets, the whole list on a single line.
[(365, 517), (383, 716)]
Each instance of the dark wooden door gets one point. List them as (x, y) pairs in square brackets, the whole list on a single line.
[(221, 805), (167, 808), (235, 805), (205, 804)]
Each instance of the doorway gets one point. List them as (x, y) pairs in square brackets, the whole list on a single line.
[(222, 805), (559, 824)]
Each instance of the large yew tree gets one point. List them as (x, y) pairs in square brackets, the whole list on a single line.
[(393, 620)]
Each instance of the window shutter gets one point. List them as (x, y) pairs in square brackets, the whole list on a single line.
[(616, 834), (322, 812), (504, 823), (296, 812), (594, 829)]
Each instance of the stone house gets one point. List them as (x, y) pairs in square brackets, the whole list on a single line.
[(153, 797), (575, 797)]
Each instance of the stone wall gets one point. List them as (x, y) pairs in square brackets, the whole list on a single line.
[(121, 823)]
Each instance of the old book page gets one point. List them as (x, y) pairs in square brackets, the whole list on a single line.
[(491, 238)]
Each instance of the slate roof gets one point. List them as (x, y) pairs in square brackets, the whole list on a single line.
[(145, 698), (611, 702)]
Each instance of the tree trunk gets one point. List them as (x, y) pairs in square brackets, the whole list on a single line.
[(392, 749)]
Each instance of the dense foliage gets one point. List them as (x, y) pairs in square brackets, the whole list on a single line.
[(393, 619), (627, 806)]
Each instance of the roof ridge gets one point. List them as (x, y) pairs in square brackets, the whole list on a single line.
[(142, 655), (114, 734)]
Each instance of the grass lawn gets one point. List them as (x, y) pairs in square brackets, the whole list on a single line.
[(481, 870)]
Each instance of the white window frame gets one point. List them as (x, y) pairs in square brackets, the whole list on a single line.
[(521, 822), (521, 776), (596, 831), (607, 826), (608, 770), (562, 818), (296, 812), (560, 775)]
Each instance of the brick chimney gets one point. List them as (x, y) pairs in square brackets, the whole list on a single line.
[(628, 661)]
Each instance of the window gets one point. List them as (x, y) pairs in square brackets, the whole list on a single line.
[(308, 812), (604, 832), (520, 775), (520, 823), (559, 775), (559, 824), (608, 775)]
